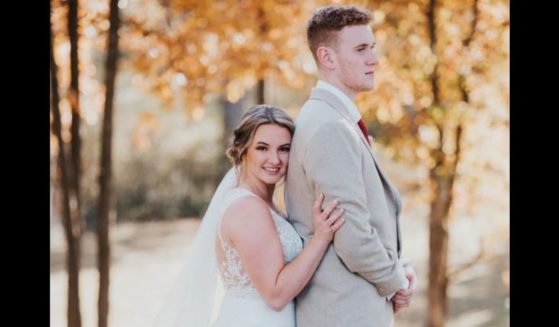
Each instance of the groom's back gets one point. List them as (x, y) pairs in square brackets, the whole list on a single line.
[(299, 197), (335, 296)]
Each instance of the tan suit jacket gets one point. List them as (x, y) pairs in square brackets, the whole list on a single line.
[(361, 268)]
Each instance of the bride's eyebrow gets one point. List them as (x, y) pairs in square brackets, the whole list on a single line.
[(266, 144)]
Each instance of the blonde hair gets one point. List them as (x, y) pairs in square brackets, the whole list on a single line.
[(257, 116)]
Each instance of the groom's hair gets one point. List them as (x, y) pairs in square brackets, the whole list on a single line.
[(326, 21)]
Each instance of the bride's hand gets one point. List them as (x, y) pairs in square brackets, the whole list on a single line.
[(326, 222)]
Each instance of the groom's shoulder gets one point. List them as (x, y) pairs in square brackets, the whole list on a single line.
[(315, 112)]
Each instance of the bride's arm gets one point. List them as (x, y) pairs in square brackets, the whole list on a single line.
[(249, 226)]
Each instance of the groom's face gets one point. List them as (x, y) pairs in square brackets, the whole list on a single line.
[(356, 58), (267, 156)]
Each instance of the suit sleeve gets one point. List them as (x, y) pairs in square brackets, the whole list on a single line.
[(332, 162)]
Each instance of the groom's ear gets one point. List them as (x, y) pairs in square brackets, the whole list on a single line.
[(324, 56)]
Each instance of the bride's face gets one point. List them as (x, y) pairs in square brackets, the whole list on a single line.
[(268, 154)]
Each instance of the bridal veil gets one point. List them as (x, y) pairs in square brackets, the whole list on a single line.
[(193, 296)]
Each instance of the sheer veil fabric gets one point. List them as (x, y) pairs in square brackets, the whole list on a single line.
[(194, 296)]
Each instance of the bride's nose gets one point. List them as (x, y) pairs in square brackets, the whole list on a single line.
[(274, 157)]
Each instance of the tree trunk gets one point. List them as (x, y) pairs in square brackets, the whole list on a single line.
[(70, 219), (442, 177), (74, 97), (232, 113), (432, 23), (438, 223), (438, 249), (260, 98), (263, 33), (105, 174)]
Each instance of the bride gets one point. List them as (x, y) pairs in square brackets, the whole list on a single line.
[(247, 263)]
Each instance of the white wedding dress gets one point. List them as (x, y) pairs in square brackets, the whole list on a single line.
[(242, 305)]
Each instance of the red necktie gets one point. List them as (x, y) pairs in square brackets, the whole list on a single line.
[(363, 128)]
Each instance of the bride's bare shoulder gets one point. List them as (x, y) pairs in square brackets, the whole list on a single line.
[(248, 214)]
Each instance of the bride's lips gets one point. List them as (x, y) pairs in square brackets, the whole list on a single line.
[(272, 171)]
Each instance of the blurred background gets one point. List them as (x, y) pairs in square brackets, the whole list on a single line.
[(145, 94)]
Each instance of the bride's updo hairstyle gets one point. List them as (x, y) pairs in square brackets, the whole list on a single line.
[(258, 115)]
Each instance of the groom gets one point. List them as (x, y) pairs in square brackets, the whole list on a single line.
[(361, 281)]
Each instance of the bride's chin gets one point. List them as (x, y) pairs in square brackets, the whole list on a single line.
[(272, 179)]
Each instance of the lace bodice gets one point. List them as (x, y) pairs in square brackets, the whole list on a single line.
[(235, 279)]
